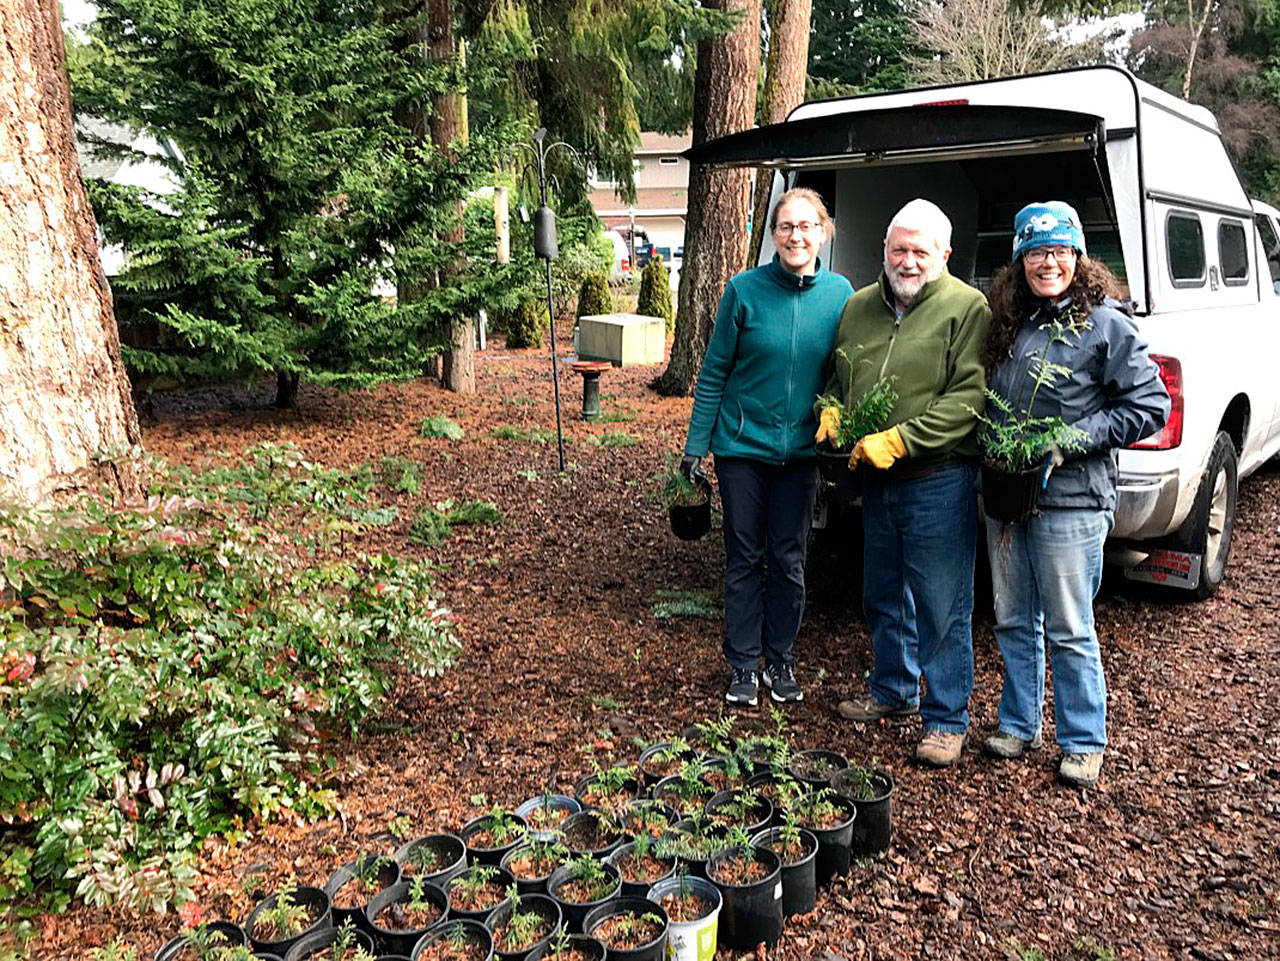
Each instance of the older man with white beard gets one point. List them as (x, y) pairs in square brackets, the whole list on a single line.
[(923, 330)]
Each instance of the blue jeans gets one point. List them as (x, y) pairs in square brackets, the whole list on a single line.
[(768, 510), (917, 591), (1045, 572)]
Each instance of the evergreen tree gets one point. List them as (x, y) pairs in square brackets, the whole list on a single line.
[(862, 47), (300, 192), (655, 293)]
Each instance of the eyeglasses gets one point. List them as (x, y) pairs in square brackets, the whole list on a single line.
[(1040, 254), (804, 226)]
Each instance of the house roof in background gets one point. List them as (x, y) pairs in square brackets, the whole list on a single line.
[(669, 200), (664, 143)]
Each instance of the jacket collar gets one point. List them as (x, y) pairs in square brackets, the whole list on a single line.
[(791, 281), (887, 295)]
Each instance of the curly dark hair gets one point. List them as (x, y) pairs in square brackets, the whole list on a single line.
[(1012, 302)]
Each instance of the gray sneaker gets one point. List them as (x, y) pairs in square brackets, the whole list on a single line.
[(781, 681), (1008, 746), (1080, 770), (743, 688)]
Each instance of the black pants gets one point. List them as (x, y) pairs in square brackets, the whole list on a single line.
[(768, 510)]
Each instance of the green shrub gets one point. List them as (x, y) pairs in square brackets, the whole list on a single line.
[(655, 293), (440, 427), (402, 475), (530, 435), (432, 524), (594, 298), (613, 438), (527, 324), (167, 671)]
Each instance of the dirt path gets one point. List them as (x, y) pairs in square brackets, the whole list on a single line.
[(1175, 856)]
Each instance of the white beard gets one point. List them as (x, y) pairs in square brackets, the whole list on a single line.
[(906, 289)]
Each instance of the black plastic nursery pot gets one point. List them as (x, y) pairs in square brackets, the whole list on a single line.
[(231, 933), (597, 925), (539, 904), (393, 934), (318, 908), (706, 741), (816, 767), (573, 912), (758, 816), (526, 883), (684, 798), (844, 485), (472, 931), (873, 825), (637, 886), (590, 947), (501, 880), (752, 912), (479, 852), (697, 865), (692, 521), (660, 760), (833, 842), (587, 833), (691, 938), (448, 858), (346, 893), (587, 787), (1011, 496), (317, 941), (646, 816), (799, 878), (545, 813)]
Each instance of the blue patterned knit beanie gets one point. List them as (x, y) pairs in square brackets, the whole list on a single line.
[(1049, 223)]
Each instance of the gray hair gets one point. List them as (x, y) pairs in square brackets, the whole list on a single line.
[(926, 217)]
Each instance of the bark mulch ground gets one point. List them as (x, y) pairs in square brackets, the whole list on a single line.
[(1174, 856)]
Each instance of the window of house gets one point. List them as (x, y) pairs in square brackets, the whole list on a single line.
[(1270, 244), (1233, 252), (1185, 239), (668, 161)]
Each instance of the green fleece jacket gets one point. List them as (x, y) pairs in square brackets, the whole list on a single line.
[(765, 362), (933, 354)]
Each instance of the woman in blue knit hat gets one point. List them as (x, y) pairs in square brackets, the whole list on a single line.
[(1053, 303)]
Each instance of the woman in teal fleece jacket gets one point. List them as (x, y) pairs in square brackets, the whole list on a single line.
[(753, 409)]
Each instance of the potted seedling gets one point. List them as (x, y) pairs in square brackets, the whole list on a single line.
[(522, 924), (532, 862), (581, 885), (492, 835), (742, 808), (693, 841), (797, 849), (434, 857), (870, 789), (646, 817), (686, 792), (711, 737), (353, 884), (593, 832), (210, 941), (724, 772), (692, 905), (632, 929), (830, 818), (664, 759), (455, 941), (570, 947), (1017, 446), (279, 920), (477, 891), (867, 415), (815, 767), (401, 914), (688, 503), (546, 812), (640, 863), (747, 876), (607, 787), (343, 943)]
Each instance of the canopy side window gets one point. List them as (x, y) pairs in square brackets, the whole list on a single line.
[(1270, 245), (1184, 239), (1233, 252)]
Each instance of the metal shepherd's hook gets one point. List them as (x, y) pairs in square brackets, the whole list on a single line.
[(545, 246)]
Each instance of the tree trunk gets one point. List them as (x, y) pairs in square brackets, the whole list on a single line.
[(448, 123), (783, 92), (66, 395), (1197, 33), (724, 102)]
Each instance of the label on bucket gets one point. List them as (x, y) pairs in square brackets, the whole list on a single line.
[(692, 942), (777, 891)]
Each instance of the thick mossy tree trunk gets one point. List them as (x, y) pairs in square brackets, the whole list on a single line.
[(783, 92), (724, 102), (66, 396)]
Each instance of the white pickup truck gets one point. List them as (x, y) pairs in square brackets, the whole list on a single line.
[(1163, 207)]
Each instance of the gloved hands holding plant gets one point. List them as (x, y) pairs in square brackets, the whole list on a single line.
[(828, 426), (880, 450), (691, 469)]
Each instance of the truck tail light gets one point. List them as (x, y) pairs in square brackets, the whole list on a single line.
[(626, 263), (1171, 435)]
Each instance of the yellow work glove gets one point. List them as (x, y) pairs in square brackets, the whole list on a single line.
[(879, 450), (828, 424)]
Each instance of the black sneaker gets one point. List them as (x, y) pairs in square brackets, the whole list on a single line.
[(781, 681), (743, 688)]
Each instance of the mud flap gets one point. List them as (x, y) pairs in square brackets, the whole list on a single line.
[(1169, 568)]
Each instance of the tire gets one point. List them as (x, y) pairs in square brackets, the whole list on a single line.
[(1208, 528)]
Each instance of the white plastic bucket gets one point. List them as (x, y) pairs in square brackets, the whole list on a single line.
[(691, 940)]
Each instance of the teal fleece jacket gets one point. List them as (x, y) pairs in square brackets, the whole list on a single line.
[(765, 365)]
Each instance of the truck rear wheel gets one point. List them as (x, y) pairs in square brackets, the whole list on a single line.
[(1207, 529)]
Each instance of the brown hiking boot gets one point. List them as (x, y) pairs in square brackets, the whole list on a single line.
[(867, 708), (939, 749)]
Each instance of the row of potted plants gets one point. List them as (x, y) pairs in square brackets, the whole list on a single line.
[(714, 837)]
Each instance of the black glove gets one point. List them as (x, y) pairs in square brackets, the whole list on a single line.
[(691, 469)]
